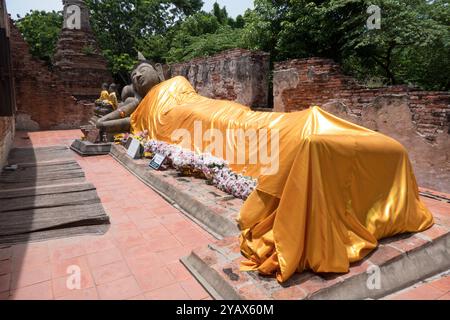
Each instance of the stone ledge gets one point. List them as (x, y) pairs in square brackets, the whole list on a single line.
[(403, 260), (210, 207)]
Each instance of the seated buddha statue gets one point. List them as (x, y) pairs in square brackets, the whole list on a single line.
[(144, 77), (336, 190), (112, 96)]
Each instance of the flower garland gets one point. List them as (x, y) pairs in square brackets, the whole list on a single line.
[(205, 166)]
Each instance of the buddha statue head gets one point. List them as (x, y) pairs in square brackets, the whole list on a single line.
[(144, 78)]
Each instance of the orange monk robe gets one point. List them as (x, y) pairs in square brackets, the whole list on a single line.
[(339, 189)]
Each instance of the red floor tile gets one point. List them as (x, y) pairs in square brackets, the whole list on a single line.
[(104, 257), (442, 284), (121, 289), (172, 292), (423, 292), (179, 271), (41, 291), (154, 278), (5, 282), (25, 278), (83, 295), (110, 272), (194, 289), (66, 286), (61, 268)]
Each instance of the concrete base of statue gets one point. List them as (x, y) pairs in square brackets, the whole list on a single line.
[(86, 148)]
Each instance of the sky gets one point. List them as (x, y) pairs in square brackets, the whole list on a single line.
[(234, 7)]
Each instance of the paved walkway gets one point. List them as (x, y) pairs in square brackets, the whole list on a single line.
[(137, 259), (436, 288)]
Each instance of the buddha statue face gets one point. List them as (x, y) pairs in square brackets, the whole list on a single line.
[(144, 78)]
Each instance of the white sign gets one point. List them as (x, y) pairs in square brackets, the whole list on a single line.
[(157, 161), (134, 150)]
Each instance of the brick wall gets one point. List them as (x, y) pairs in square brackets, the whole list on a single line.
[(43, 102), (418, 119), (237, 75), (82, 73), (6, 138)]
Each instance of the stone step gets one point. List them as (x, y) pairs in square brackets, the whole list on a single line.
[(401, 261)]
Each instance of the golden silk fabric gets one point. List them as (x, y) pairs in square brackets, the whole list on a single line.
[(339, 188)]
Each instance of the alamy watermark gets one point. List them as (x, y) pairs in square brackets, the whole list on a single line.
[(374, 20), (374, 279), (236, 146), (73, 281), (73, 18)]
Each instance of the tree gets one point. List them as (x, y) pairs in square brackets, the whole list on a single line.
[(125, 27), (204, 34), (40, 30), (414, 36)]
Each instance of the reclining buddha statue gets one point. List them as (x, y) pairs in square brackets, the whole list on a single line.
[(334, 189)]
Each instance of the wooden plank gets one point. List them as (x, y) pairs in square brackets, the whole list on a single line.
[(30, 155), (33, 175), (54, 234), (45, 190), (35, 184), (47, 197), (27, 221), (49, 201)]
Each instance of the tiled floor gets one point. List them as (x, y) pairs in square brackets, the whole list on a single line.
[(137, 259), (434, 289)]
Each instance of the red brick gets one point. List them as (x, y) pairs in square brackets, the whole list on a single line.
[(384, 254), (291, 293), (436, 232), (409, 244)]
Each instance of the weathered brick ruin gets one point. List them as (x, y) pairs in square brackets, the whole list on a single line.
[(7, 96), (418, 119), (43, 101), (237, 75), (78, 60), (6, 138)]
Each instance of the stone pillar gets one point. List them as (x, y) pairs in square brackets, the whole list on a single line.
[(78, 60)]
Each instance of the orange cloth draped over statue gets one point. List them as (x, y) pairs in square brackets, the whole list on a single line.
[(339, 187)]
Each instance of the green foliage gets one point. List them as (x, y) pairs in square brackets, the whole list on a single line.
[(40, 30), (88, 50), (205, 45), (411, 47), (204, 34), (125, 27)]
